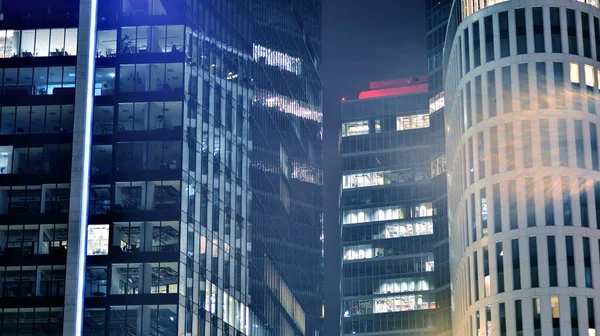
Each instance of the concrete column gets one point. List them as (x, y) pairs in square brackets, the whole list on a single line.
[(146, 230), (80, 169), (145, 278), (148, 190)]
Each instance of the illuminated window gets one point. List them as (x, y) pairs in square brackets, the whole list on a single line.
[(589, 75), (412, 122), (387, 213), (574, 73), (277, 59), (370, 179), (355, 128), (438, 166), (358, 252), (97, 240), (436, 102)]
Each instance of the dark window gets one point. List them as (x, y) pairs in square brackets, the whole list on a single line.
[(469, 280), (512, 202), (597, 37), (477, 323), (542, 84), (476, 45), (572, 31), (527, 144), (587, 262), (537, 321), (497, 209), (507, 90), (491, 82), (510, 146), (478, 100), (489, 38), (468, 105), (484, 212), (494, 150), (524, 85), (533, 262), (471, 162), (486, 271), (500, 267), (529, 194), (504, 34), (488, 320), (548, 201), (552, 270), (502, 308), (597, 202), (521, 30), (563, 148), (545, 135), (583, 206), (466, 53), (481, 155), (566, 193), (555, 29), (591, 316), (574, 319), (579, 150), (473, 219), (555, 308), (538, 30), (559, 85), (476, 275), (516, 264), (585, 30), (594, 146), (519, 317), (570, 261)]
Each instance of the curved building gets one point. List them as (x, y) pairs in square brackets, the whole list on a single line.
[(521, 84)]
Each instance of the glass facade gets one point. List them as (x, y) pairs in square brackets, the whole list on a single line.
[(185, 103), (388, 218), (286, 172), (436, 15)]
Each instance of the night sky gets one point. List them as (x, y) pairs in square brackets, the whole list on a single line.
[(363, 41)]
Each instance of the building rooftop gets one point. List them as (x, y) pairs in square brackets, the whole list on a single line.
[(395, 87)]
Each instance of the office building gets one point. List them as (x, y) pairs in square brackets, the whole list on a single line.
[(521, 86), (437, 12), (387, 211), (132, 133), (286, 267)]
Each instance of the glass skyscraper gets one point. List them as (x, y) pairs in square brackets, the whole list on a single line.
[(437, 12), (387, 211), (128, 155), (286, 269)]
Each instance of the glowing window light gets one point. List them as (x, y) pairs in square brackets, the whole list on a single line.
[(412, 122), (277, 59), (289, 105), (574, 73), (589, 75)]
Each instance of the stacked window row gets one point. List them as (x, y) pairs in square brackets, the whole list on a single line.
[(528, 86), (529, 30), (527, 263), (498, 147), (560, 315), (529, 202)]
